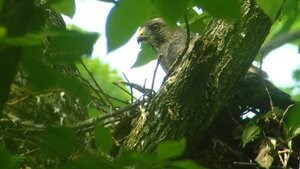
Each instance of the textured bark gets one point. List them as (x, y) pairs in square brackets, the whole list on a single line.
[(202, 84)]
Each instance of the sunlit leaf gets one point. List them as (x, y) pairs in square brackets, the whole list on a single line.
[(66, 7), (171, 10), (103, 138), (293, 120), (251, 131), (271, 8), (3, 32), (226, 9), (58, 142), (104, 75), (145, 55), (124, 19), (169, 149)]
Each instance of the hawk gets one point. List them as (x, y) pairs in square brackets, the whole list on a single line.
[(168, 42)]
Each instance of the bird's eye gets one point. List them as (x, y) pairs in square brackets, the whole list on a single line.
[(155, 27)]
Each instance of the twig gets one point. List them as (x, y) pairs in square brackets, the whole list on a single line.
[(137, 87), (94, 120), (284, 113), (13, 102), (131, 91), (245, 163), (279, 41), (97, 85), (155, 70), (122, 88), (270, 97)]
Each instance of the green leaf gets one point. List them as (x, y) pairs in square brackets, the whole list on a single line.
[(187, 164), (123, 20), (293, 120), (169, 149), (145, 55), (103, 138), (271, 8), (57, 142), (66, 7), (3, 32), (70, 46), (6, 159), (171, 10), (88, 161), (225, 9), (43, 77), (251, 131), (26, 40), (199, 22)]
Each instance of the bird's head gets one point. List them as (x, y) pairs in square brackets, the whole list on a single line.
[(155, 32)]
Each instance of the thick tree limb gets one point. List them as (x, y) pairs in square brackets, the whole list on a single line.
[(279, 41), (203, 83)]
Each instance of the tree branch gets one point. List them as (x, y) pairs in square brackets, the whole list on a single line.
[(279, 41)]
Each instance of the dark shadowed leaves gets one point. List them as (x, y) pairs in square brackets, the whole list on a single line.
[(58, 142), (43, 77), (66, 7), (124, 19), (69, 46), (226, 9), (145, 55), (187, 164), (103, 138), (88, 161)]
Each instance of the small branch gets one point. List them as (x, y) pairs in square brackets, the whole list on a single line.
[(97, 85), (155, 70), (94, 120), (138, 87), (279, 41), (131, 92)]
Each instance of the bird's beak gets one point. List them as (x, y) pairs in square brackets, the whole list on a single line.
[(141, 35)]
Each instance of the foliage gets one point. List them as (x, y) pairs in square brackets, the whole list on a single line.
[(62, 135)]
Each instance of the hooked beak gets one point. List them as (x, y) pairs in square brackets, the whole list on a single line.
[(141, 35)]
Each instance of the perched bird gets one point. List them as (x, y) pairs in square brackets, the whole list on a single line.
[(168, 42)]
